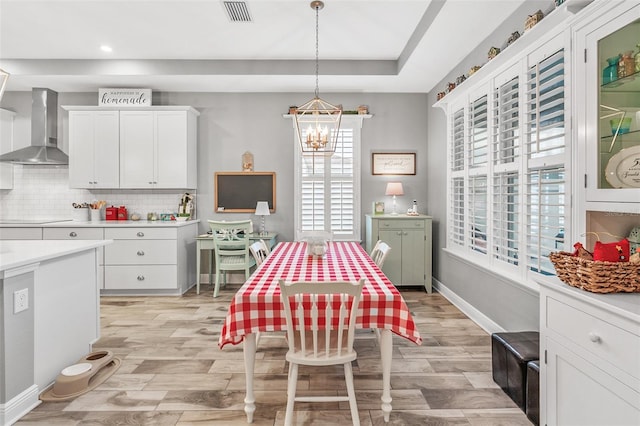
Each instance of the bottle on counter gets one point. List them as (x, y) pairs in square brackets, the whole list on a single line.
[(415, 206)]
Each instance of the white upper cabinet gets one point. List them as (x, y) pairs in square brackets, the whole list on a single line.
[(158, 149), (608, 105), (94, 149), (152, 147), (6, 145)]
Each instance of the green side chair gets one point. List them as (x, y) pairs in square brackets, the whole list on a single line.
[(231, 246)]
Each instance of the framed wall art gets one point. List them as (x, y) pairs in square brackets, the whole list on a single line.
[(393, 163)]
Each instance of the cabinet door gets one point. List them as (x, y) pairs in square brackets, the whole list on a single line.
[(392, 267), (6, 145), (612, 103), (106, 149), (171, 149), (580, 393), (94, 149), (81, 149), (413, 256), (137, 149)]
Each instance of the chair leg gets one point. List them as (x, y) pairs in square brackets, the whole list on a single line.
[(216, 287), (348, 376), (291, 393)]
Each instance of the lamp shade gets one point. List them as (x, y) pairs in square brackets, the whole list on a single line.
[(394, 188), (262, 208)]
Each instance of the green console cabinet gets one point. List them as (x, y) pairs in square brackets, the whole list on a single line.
[(409, 261)]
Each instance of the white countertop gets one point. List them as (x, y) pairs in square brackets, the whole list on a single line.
[(103, 224), (15, 254)]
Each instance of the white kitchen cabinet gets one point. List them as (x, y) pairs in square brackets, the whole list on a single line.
[(158, 149), (409, 261), (147, 259), (94, 149), (611, 172), (13, 233), (6, 145), (590, 352)]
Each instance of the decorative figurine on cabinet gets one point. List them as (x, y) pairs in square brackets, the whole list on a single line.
[(441, 95), (474, 69), (493, 52), (513, 37), (460, 79), (532, 20), (450, 87)]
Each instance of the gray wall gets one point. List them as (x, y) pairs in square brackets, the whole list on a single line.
[(232, 123), (508, 304)]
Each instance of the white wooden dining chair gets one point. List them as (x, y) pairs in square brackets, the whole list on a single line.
[(312, 342), (380, 252), (258, 252), (265, 247), (231, 246)]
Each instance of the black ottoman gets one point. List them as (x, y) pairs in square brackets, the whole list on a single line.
[(533, 392), (510, 353)]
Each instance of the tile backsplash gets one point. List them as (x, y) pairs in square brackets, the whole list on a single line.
[(42, 192)]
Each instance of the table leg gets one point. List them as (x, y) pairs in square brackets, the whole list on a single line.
[(386, 350), (198, 253), (249, 351)]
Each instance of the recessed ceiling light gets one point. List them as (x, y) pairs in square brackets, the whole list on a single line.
[(106, 48)]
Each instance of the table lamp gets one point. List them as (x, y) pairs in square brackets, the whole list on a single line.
[(262, 210), (394, 188)]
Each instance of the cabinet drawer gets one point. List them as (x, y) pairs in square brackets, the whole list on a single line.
[(140, 233), (143, 252), (73, 233), (618, 346), (136, 277), (20, 233), (396, 224)]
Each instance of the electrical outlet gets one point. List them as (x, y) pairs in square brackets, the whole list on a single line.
[(20, 300)]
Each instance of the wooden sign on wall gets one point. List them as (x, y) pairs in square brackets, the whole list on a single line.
[(124, 97)]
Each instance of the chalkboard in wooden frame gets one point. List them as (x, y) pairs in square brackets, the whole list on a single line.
[(239, 192)]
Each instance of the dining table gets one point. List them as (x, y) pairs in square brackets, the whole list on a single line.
[(257, 306)]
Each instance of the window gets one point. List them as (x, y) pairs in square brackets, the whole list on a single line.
[(508, 155), (328, 188)]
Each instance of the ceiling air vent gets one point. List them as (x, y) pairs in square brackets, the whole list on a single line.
[(237, 11)]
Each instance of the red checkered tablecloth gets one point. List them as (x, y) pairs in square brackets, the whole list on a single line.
[(256, 307)]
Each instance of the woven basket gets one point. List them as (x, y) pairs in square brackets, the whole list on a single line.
[(597, 276)]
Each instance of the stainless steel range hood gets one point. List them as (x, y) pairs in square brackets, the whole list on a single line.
[(44, 133)]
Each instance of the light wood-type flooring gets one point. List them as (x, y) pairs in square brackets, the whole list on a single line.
[(173, 372)]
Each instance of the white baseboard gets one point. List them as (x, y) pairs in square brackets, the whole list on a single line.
[(468, 309), (13, 410)]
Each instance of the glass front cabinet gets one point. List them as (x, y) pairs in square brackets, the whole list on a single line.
[(608, 106)]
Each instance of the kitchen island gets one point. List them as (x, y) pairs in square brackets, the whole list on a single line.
[(50, 315)]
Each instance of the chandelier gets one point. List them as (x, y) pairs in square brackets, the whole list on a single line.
[(318, 121)]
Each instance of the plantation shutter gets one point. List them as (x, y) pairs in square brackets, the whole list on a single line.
[(545, 107), (545, 217), (327, 199), (456, 166)]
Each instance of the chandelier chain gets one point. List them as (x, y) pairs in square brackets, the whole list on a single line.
[(317, 92)]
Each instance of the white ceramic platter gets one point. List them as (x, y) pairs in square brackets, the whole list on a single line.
[(623, 169)]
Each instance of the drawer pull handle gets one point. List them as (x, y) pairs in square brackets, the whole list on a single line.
[(73, 234), (594, 338), (140, 234), (140, 277), (140, 253)]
